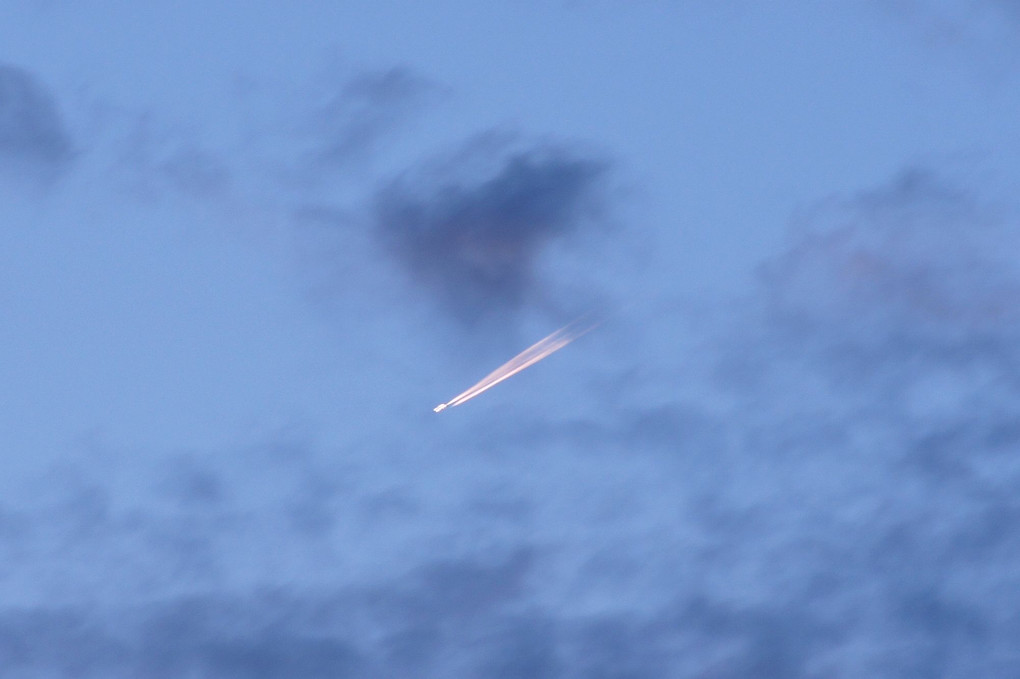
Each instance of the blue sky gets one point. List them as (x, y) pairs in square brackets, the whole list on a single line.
[(247, 247)]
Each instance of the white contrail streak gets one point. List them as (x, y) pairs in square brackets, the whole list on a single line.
[(530, 356)]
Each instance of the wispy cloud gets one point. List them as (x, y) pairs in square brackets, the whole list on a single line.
[(826, 486), (918, 260), (158, 157), (354, 120)]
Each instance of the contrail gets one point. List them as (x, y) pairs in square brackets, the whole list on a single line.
[(530, 356)]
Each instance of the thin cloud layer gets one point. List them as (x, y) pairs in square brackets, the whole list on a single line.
[(367, 107), (32, 135), (158, 162), (472, 625), (918, 261), (474, 244), (825, 487)]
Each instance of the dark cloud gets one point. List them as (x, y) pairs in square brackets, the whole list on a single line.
[(474, 243), (32, 135)]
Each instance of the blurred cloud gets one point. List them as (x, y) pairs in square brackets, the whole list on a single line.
[(367, 107), (473, 242), (32, 136), (917, 261), (826, 485), (857, 476), (279, 141), (164, 159), (195, 172), (821, 480), (449, 617)]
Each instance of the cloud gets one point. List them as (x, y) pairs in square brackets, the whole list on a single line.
[(843, 477), (161, 160), (198, 636), (893, 321), (916, 261), (367, 107), (32, 135), (413, 624), (827, 486), (440, 620), (474, 242)]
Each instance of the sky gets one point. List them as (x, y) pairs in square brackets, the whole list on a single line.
[(246, 247)]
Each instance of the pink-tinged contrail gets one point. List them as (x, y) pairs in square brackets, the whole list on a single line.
[(530, 356)]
